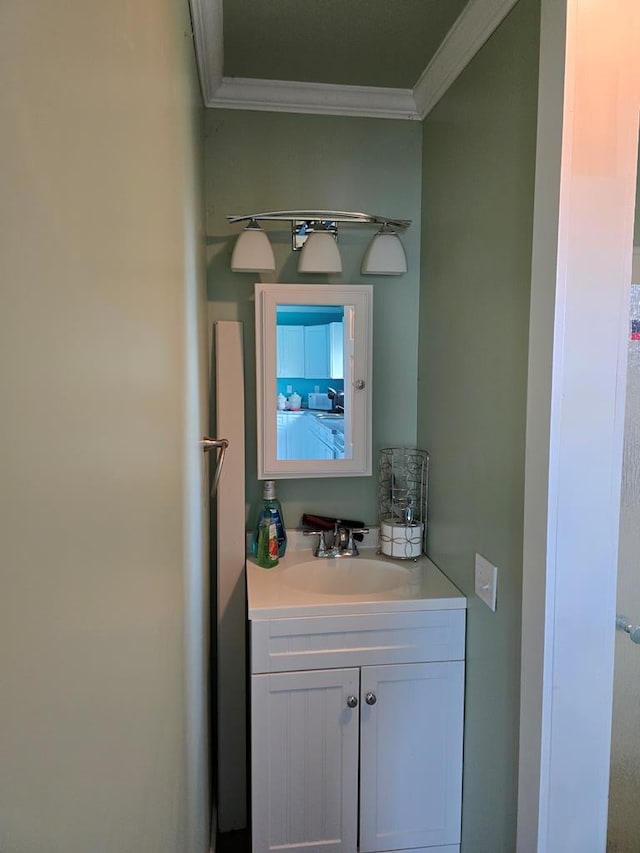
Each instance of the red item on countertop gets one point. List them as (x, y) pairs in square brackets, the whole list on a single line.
[(325, 522)]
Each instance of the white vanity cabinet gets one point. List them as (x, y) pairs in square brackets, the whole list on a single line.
[(304, 766), (356, 731), (411, 755)]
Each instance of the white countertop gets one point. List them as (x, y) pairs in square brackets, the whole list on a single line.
[(272, 594)]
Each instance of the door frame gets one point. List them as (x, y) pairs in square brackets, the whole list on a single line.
[(581, 272)]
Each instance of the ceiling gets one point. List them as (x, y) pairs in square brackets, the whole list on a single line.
[(369, 58), (345, 42)]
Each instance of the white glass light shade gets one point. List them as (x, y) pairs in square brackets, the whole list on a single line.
[(320, 253), (253, 252), (385, 255)]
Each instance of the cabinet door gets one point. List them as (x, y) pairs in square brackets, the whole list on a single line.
[(290, 351), (411, 755), (298, 436), (316, 352), (320, 440), (305, 761)]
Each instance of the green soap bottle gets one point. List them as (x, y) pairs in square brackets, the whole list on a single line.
[(271, 509), (267, 549)]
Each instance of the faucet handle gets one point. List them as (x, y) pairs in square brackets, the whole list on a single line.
[(321, 550), (351, 549)]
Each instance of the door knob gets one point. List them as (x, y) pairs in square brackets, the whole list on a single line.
[(370, 699), (352, 701)]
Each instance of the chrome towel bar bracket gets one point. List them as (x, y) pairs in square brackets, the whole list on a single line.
[(220, 444), (623, 624)]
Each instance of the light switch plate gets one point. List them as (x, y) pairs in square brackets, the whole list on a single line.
[(486, 581)]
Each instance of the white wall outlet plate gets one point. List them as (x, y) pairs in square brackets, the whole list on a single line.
[(486, 581)]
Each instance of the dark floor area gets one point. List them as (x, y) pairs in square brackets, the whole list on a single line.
[(233, 842)]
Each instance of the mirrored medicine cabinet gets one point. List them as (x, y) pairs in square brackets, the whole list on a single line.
[(313, 380)]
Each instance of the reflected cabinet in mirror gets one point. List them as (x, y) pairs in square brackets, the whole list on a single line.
[(313, 373)]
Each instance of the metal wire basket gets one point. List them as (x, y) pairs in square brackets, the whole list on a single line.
[(402, 502)]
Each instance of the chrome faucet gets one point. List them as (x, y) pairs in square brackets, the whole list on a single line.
[(343, 544)]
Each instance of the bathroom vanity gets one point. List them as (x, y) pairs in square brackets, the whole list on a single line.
[(357, 691)]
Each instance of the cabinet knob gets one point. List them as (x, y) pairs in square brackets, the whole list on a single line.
[(352, 701), (359, 384), (370, 699)]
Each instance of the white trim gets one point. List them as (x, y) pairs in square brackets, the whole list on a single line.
[(244, 93), (539, 498), (470, 31), (206, 19)]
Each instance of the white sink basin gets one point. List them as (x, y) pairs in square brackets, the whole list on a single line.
[(345, 576), (302, 585)]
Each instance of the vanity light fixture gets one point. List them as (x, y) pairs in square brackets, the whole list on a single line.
[(253, 251), (385, 254), (320, 253), (315, 234)]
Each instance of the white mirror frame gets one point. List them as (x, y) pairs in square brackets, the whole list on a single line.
[(357, 300)]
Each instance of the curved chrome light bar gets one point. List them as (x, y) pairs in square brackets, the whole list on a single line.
[(320, 215), (310, 230)]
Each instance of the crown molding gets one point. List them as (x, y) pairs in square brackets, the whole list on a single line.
[(478, 20), (244, 93), (206, 20)]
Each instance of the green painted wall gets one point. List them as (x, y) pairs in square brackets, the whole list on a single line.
[(478, 174), (103, 614), (257, 161)]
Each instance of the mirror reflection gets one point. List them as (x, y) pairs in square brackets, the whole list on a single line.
[(310, 371)]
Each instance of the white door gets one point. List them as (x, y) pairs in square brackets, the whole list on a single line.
[(589, 94), (411, 721), (305, 761)]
